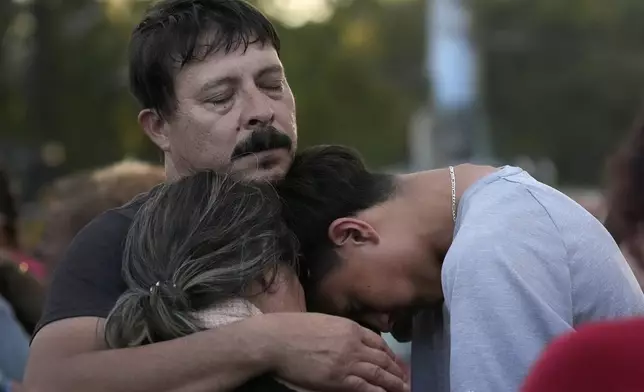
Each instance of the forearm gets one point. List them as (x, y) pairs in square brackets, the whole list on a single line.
[(214, 360)]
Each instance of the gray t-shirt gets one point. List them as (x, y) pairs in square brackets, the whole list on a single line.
[(527, 264)]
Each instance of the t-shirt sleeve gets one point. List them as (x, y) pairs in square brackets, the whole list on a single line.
[(88, 280), (508, 296)]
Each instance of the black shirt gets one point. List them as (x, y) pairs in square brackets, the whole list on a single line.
[(88, 280)]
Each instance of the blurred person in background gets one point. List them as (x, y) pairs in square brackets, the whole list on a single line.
[(9, 235), (14, 339), (14, 349), (22, 291), (482, 266), (214, 95), (20, 275), (73, 201), (229, 256), (625, 198)]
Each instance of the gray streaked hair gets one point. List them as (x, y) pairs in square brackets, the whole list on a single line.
[(204, 239)]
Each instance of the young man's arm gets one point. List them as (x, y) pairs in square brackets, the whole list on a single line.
[(508, 294), (320, 352)]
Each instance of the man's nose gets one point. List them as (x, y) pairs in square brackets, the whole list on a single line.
[(258, 110)]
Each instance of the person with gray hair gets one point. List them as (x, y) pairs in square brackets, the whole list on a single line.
[(202, 252), (213, 95)]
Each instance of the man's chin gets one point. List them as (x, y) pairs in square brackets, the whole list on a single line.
[(265, 166), (270, 175)]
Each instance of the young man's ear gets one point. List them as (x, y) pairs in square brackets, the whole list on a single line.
[(352, 231), (155, 127)]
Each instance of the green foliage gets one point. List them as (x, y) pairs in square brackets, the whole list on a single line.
[(561, 79), (346, 85)]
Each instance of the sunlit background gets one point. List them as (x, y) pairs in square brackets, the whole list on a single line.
[(550, 85)]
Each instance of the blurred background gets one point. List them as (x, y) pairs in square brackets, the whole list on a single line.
[(549, 85)]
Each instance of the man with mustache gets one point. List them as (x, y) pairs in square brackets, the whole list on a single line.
[(214, 95), (249, 155), (515, 262)]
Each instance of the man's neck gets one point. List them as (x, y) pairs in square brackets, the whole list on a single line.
[(427, 198)]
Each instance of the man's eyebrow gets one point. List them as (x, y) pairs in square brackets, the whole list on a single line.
[(214, 83), (272, 69)]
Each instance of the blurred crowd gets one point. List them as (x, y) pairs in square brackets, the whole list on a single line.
[(72, 201)]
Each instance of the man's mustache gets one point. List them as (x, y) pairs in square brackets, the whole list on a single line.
[(263, 139)]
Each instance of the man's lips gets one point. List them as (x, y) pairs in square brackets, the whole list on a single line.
[(261, 160), (258, 155)]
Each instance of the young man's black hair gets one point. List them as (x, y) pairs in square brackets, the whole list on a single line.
[(325, 183)]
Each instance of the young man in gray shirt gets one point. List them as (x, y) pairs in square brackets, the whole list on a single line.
[(490, 264)]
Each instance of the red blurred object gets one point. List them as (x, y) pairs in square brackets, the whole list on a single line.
[(30, 265), (604, 357)]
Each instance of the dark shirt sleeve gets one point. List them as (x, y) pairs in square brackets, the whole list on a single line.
[(88, 280)]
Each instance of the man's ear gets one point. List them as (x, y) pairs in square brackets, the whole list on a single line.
[(352, 231), (155, 127)]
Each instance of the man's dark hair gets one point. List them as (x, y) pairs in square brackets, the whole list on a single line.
[(194, 243), (8, 211), (323, 184), (174, 33)]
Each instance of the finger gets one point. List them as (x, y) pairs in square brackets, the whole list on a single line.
[(357, 384), (382, 360), (379, 377), (376, 341), (404, 367)]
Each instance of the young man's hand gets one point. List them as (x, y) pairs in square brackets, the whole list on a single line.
[(327, 353)]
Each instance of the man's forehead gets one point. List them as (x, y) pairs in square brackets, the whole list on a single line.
[(240, 63)]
